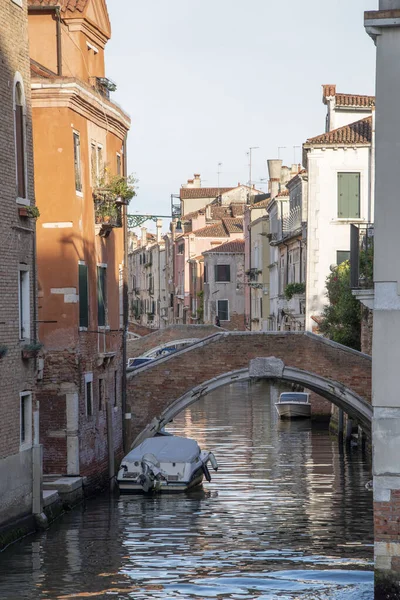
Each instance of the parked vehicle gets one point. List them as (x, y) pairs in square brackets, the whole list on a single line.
[(294, 405), (166, 463)]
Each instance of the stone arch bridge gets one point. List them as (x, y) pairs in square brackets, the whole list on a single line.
[(162, 388)]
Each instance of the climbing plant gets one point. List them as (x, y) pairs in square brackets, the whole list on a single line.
[(341, 319)]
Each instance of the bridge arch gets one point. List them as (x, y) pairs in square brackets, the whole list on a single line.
[(163, 387), (271, 369)]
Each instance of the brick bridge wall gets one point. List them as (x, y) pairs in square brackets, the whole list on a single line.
[(169, 334), (153, 388)]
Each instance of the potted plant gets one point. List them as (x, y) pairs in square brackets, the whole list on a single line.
[(32, 212), (3, 351), (31, 350), (116, 188)]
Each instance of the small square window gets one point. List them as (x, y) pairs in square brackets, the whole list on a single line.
[(342, 256), (222, 273)]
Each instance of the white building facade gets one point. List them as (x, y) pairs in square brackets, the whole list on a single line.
[(340, 165)]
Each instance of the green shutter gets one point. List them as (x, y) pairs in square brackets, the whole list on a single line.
[(349, 195), (83, 297), (101, 296)]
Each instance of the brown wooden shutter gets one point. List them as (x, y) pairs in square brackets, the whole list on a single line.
[(20, 151)]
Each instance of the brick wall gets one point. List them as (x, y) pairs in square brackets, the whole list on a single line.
[(139, 329), (367, 320), (154, 388), (17, 244), (16, 233)]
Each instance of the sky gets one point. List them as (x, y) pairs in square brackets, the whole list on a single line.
[(205, 80)]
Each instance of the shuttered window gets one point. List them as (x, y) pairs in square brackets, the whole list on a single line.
[(349, 195), (83, 296), (223, 310), (77, 162), (101, 296)]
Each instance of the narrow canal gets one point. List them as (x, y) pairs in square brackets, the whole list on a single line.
[(287, 516)]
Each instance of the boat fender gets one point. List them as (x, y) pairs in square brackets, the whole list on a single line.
[(206, 473), (213, 461)]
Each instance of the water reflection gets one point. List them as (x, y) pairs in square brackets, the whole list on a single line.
[(286, 516)]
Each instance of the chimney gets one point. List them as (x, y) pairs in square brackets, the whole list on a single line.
[(197, 180), (328, 91), (274, 170), (208, 212), (144, 237), (159, 229)]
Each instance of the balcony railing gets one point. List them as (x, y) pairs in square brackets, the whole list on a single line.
[(361, 256), (107, 212)]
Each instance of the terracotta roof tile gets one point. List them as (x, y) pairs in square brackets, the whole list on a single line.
[(359, 132), (71, 5), (193, 215), (234, 247), (233, 225), (262, 203), (215, 230), (218, 212), (355, 100), (283, 194), (38, 70), (187, 193)]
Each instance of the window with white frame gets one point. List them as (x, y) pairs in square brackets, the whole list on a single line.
[(25, 420), (24, 302), (77, 162), (223, 310), (20, 137), (89, 394), (96, 163)]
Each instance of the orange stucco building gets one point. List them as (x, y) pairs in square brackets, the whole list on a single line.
[(79, 137)]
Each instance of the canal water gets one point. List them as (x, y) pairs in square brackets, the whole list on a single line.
[(287, 517)]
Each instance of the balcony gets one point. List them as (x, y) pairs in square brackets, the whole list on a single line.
[(107, 212), (103, 86), (252, 274)]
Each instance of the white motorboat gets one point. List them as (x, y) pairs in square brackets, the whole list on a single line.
[(294, 405), (167, 463)]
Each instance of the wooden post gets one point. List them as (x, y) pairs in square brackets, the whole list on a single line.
[(110, 442)]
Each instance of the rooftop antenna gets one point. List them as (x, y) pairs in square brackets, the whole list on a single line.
[(219, 173), (250, 157), (279, 150)]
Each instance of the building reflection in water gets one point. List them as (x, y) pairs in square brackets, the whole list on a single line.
[(286, 497)]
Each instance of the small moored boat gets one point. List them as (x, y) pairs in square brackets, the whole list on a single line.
[(294, 405), (167, 463)]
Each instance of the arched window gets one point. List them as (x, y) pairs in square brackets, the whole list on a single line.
[(20, 141)]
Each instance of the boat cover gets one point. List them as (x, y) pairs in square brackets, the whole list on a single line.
[(169, 448), (293, 397)]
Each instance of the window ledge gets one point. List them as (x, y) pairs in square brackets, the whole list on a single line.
[(25, 446), (348, 220), (23, 201), (223, 282), (79, 194)]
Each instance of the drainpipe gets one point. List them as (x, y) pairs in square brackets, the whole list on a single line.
[(250, 311), (56, 10), (125, 307)]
